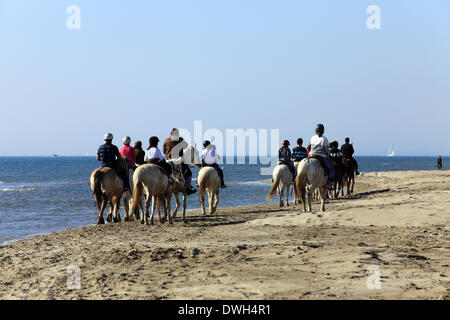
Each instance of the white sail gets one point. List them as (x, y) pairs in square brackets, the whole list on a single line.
[(391, 152)]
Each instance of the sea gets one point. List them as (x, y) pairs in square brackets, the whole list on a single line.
[(40, 195)]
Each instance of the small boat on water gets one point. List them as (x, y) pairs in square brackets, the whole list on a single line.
[(55, 155), (391, 152)]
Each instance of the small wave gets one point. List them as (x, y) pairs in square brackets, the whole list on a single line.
[(20, 189), (253, 183)]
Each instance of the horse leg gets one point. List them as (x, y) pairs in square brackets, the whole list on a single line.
[(110, 212), (100, 212), (126, 205), (116, 217), (353, 184), (202, 200), (311, 191), (168, 209), (177, 202), (144, 218), (281, 195), (210, 201), (323, 193), (288, 188), (216, 199), (184, 207)]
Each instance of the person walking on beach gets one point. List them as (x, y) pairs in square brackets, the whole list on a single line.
[(439, 163), (285, 156), (209, 159), (108, 154), (299, 152), (140, 153), (128, 152), (320, 149), (177, 144), (347, 153)]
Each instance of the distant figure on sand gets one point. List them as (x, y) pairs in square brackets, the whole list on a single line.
[(108, 154), (439, 163)]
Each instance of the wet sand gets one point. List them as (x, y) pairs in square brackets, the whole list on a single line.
[(397, 222)]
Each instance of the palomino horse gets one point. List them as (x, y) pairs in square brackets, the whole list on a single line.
[(209, 181), (281, 180), (349, 178), (190, 156), (149, 180), (338, 183), (310, 176), (107, 188)]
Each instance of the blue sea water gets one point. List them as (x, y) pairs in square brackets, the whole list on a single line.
[(40, 195)]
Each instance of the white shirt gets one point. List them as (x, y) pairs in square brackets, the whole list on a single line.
[(319, 146), (153, 153), (209, 155)]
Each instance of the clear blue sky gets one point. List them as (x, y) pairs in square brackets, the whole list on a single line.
[(139, 68)]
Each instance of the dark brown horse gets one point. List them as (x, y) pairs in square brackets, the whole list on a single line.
[(338, 183), (349, 178)]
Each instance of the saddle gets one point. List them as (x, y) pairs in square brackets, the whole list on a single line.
[(322, 163)]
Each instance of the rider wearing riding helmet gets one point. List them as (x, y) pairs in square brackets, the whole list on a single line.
[(209, 159), (128, 152), (108, 154), (347, 153), (284, 157), (319, 147), (154, 156)]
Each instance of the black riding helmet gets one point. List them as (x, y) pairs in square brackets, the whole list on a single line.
[(320, 128), (206, 143), (299, 141), (153, 141), (286, 143)]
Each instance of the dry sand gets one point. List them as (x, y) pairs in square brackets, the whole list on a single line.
[(396, 221)]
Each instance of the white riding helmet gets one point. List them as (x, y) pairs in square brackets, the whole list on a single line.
[(108, 136), (126, 140)]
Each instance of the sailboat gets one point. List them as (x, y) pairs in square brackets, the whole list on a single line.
[(391, 152)]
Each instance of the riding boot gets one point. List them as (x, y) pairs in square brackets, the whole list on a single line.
[(188, 183)]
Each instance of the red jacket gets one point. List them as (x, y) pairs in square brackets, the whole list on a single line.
[(127, 151)]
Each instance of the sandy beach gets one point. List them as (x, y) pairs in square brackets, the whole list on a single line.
[(397, 222)]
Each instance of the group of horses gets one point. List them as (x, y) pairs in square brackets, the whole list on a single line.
[(149, 183), (311, 182)]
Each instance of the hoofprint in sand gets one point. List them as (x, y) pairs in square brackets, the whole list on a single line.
[(397, 224)]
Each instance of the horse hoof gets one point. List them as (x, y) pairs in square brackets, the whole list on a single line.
[(126, 219), (142, 221), (109, 219), (101, 221)]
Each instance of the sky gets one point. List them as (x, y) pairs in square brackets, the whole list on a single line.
[(140, 68)]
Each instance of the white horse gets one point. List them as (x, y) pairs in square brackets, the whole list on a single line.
[(310, 177), (191, 157), (209, 181), (281, 180), (149, 180)]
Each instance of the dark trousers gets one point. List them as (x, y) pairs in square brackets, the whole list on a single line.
[(162, 164), (219, 170), (122, 173), (291, 166)]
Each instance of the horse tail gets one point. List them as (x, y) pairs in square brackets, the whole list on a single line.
[(97, 192), (301, 180), (274, 187), (138, 191)]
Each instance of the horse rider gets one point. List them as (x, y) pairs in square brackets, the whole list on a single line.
[(439, 163), (140, 153), (299, 152), (154, 156), (128, 152), (347, 153), (108, 154), (335, 153), (319, 148), (209, 159), (177, 144), (285, 156)]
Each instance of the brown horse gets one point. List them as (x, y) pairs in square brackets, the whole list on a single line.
[(338, 183), (107, 188), (349, 177)]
